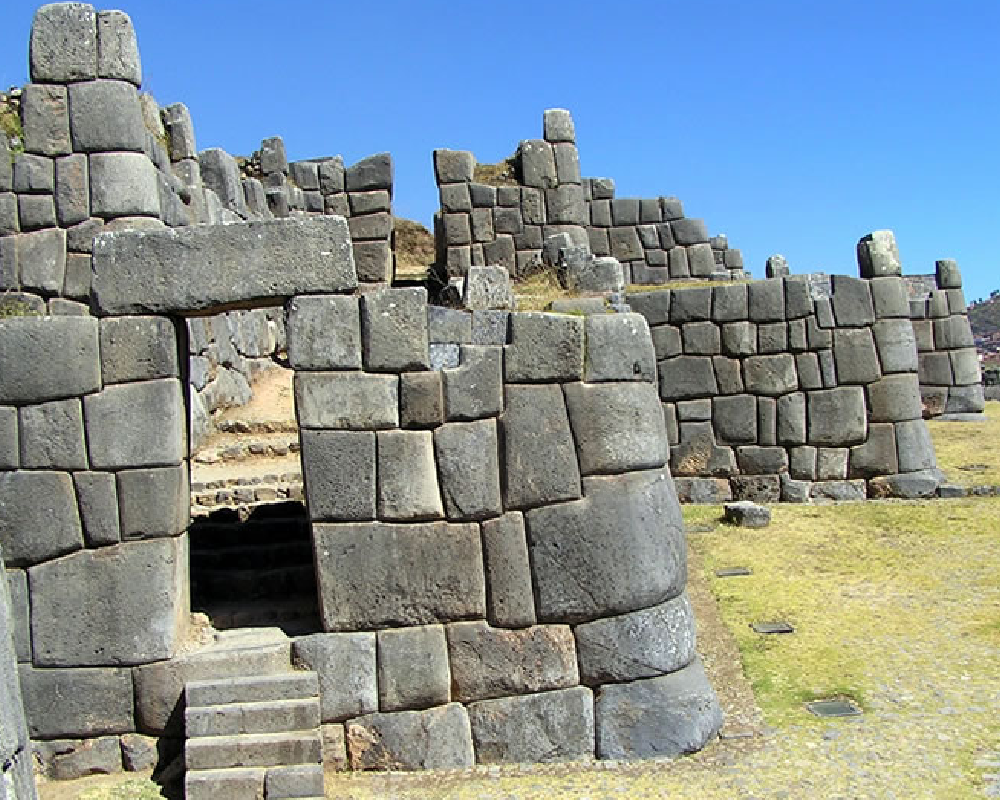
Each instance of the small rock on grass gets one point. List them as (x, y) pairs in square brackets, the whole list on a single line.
[(746, 514)]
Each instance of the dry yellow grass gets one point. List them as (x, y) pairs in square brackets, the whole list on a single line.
[(968, 451)]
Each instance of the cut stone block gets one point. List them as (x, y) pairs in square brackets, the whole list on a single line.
[(407, 478), (487, 288), (855, 355), (19, 621), (509, 598), (339, 474), (474, 389), (413, 671), (68, 759), (105, 115), (346, 666), (374, 575), (63, 43), (544, 347), (221, 174), (538, 164), (540, 463), (421, 399), (878, 255), (619, 549), (97, 496), (654, 306), (154, 502), (791, 419), (438, 738), (324, 332), (837, 417), (41, 260), (770, 375), (643, 644), (657, 717), (205, 266), (914, 448), (735, 419), (896, 345), (45, 120), (686, 377), (125, 185), (889, 297), (251, 750), (766, 300), (617, 427), (877, 455), (492, 662), (370, 174), (117, 50), (77, 702), (38, 517), (546, 727), (346, 400), (468, 468), (120, 605), (294, 780), (137, 349), (739, 339), (136, 425), (894, 398), (51, 435), (852, 302), (395, 325), (449, 325)]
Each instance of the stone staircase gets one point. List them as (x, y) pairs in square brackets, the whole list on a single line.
[(253, 738)]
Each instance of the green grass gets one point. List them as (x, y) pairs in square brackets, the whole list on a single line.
[(964, 449)]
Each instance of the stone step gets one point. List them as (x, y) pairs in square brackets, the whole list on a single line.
[(304, 782), (293, 685), (272, 716), (252, 750), (301, 781), (287, 425), (204, 503)]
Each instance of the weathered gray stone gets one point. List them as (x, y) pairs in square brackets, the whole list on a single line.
[(136, 425), (77, 702), (413, 671), (894, 398), (493, 662), (770, 375), (126, 604), (370, 174), (324, 332), (910, 486), (346, 666), (220, 173), (6, 164), (421, 399), (453, 166), (855, 355), (72, 195), (654, 306), (20, 614), (546, 727), (701, 338), (540, 463), (180, 132), (852, 302), (564, 205), (739, 339), (538, 164), (468, 468), (63, 43), (896, 345), (117, 50), (746, 514), (877, 455), (509, 596), (889, 297), (766, 300), (395, 324), (618, 348), (474, 389), (45, 120), (952, 332), (935, 369), (837, 417), (51, 435), (947, 274), (776, 266), (41, 259), (487, 288), (407, 479), (839, 491), (105, 115), (339, 472), (38, 517), (137, 349), (686, 377), (642, 644), (9, 225), (448, 325), (305, 175), (914, 448), (80, 239), (375, 575), (558, 125), (154, 502), (36, 211), (9, 449), (690, 305), (756, 488), (618, 549), (617, 427), (98, 501), (68, 759), (735, 419), (123, 185), (346, 400), (567, 163), (701, 261), (657, 717), (438, 738), (878, 255), (791, 419), (965, 366), (544, 347), (689, 231), (763, 460), (666, 341)]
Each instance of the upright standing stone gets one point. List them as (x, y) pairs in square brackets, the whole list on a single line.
[(878, 255)]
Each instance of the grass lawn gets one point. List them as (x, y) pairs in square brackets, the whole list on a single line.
[(969, 452)]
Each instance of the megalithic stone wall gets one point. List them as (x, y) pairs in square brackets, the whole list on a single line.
[(97, 155), (786, 389), (509, 524), (506, 225)]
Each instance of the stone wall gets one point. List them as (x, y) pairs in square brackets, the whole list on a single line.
[(544, 195), (17, 776)]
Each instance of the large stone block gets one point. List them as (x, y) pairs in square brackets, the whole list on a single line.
[(61, 703), (413, 670), (97, 496), (739, 339), (180, 133), (19, 621), (914, 448), (540, 463), (770, 375), (41, 259), (137, 349), (878, 255), (370, 174), (654, 306), (617, 426), (896, 344), (120, 605), (643, 644), (324, 332), (791, 419), (117, 50), (546, 727), (105, 115), (346, 400), (374, 575), (453, 166), (890, 297), (154, 502), (421, 399), (766, 300), (474, 389), (346, 666), (544, 347), (438, 738), (469, 470), (407, 478), (72, 189), (205, 266), (339, 473), (657, 717), (735, 419), (509, 598), (493, 662), (38, 517), (140, 424), (894, 398), (852, 302), (619, 549), (63, 44), (538, 164), (689, 231), (877, 455), (125, 185), (837, 417), (45, 120), (221, 174), (557, 125), (687, 377), (51, 435), (855, 356), (953, 332), (395, 326)]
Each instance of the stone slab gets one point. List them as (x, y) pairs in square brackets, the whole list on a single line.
[(438, 738)]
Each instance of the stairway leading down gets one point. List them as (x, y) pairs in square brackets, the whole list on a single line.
[(253, 738)]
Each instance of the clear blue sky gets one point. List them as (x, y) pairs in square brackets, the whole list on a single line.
[(793, 127)]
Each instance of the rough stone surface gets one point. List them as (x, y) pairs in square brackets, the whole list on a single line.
[(618, 348), (63, 43), (413, 668), (139, 424), (474, 389), (51, 435), (407, 479), (657, 717), (438, 738), (346, 666), (509, 598), (137, 349), (339, 474), (395, 324), (203, 267), (77, 702), (97, 497), (551, 726), (468, 469), (324, 332), (374, 575), (124, 185), (38, 517), (878, 255), (837, 417), (746, 514), (105, 115), (346, 400), (544, 347), (153, 502)]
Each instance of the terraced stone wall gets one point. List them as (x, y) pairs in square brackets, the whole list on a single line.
[(543, 194)]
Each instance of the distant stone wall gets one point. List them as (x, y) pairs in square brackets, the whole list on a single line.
[(507, 225)]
